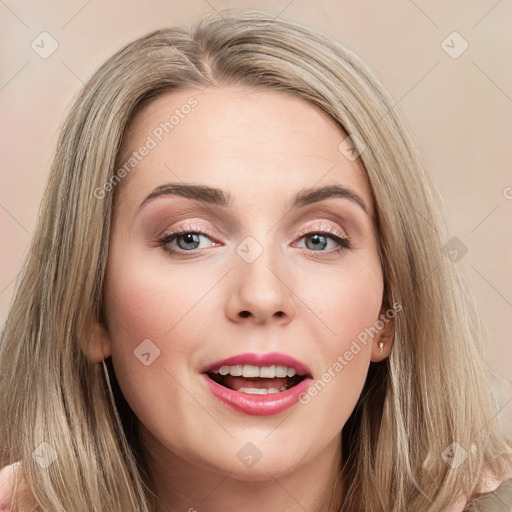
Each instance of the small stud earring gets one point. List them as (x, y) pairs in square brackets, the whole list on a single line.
[(381, 345)]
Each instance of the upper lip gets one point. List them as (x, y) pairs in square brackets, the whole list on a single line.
[(268, 359)]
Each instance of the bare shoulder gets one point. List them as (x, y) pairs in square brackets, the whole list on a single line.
[(8, 475), (491, 482), (11, 478)]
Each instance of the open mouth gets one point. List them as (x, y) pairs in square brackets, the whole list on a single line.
[(256, 380)]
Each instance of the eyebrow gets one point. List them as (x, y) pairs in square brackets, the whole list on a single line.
[(219, 197)]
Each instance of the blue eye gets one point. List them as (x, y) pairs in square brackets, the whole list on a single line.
[(188, 240), (320, 240)]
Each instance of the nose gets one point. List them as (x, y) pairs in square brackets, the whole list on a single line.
[(261, 293)]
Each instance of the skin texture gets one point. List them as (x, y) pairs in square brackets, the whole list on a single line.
[(262, 147)]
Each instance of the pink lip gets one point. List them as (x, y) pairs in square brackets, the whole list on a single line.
[(268, 359), (257, 405)]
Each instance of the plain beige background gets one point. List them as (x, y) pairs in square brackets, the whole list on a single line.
[(458, 100)]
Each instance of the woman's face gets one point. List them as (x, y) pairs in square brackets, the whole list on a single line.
[(269, 274)]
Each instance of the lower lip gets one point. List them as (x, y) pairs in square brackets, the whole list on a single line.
[(258, 405)]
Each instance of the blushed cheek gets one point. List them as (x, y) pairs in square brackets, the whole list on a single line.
[(132, 310), (351, 303), (346, 354), (354, 307), (139, 298), (149, 303), (138, 321), (133, 316)]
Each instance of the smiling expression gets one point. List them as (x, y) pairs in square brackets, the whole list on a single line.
[(244, 230)]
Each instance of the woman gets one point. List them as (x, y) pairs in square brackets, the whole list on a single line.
[(237, 295)]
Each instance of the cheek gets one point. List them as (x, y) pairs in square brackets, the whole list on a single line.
[(148, 300), (356, 303), (348, 304), (153, 318), (154, 310), (347, 299)]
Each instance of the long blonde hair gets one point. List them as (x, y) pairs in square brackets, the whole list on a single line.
[(433, 394)]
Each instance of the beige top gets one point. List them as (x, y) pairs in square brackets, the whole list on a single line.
[(488, 485)]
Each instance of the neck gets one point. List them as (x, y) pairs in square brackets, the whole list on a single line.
[(184, 486)]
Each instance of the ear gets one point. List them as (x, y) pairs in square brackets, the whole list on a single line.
[(99, 345), (382, 342)]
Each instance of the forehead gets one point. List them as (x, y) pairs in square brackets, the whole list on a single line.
[(251, 142)]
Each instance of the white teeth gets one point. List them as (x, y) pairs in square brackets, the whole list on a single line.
[(252, 371), (257, 391), (281, 371), (236, 371), (268, 372)]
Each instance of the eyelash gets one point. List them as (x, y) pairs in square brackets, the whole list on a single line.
[(343, 241)]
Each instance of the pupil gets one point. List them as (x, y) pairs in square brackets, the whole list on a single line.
[(318, 239), (190, 238)]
